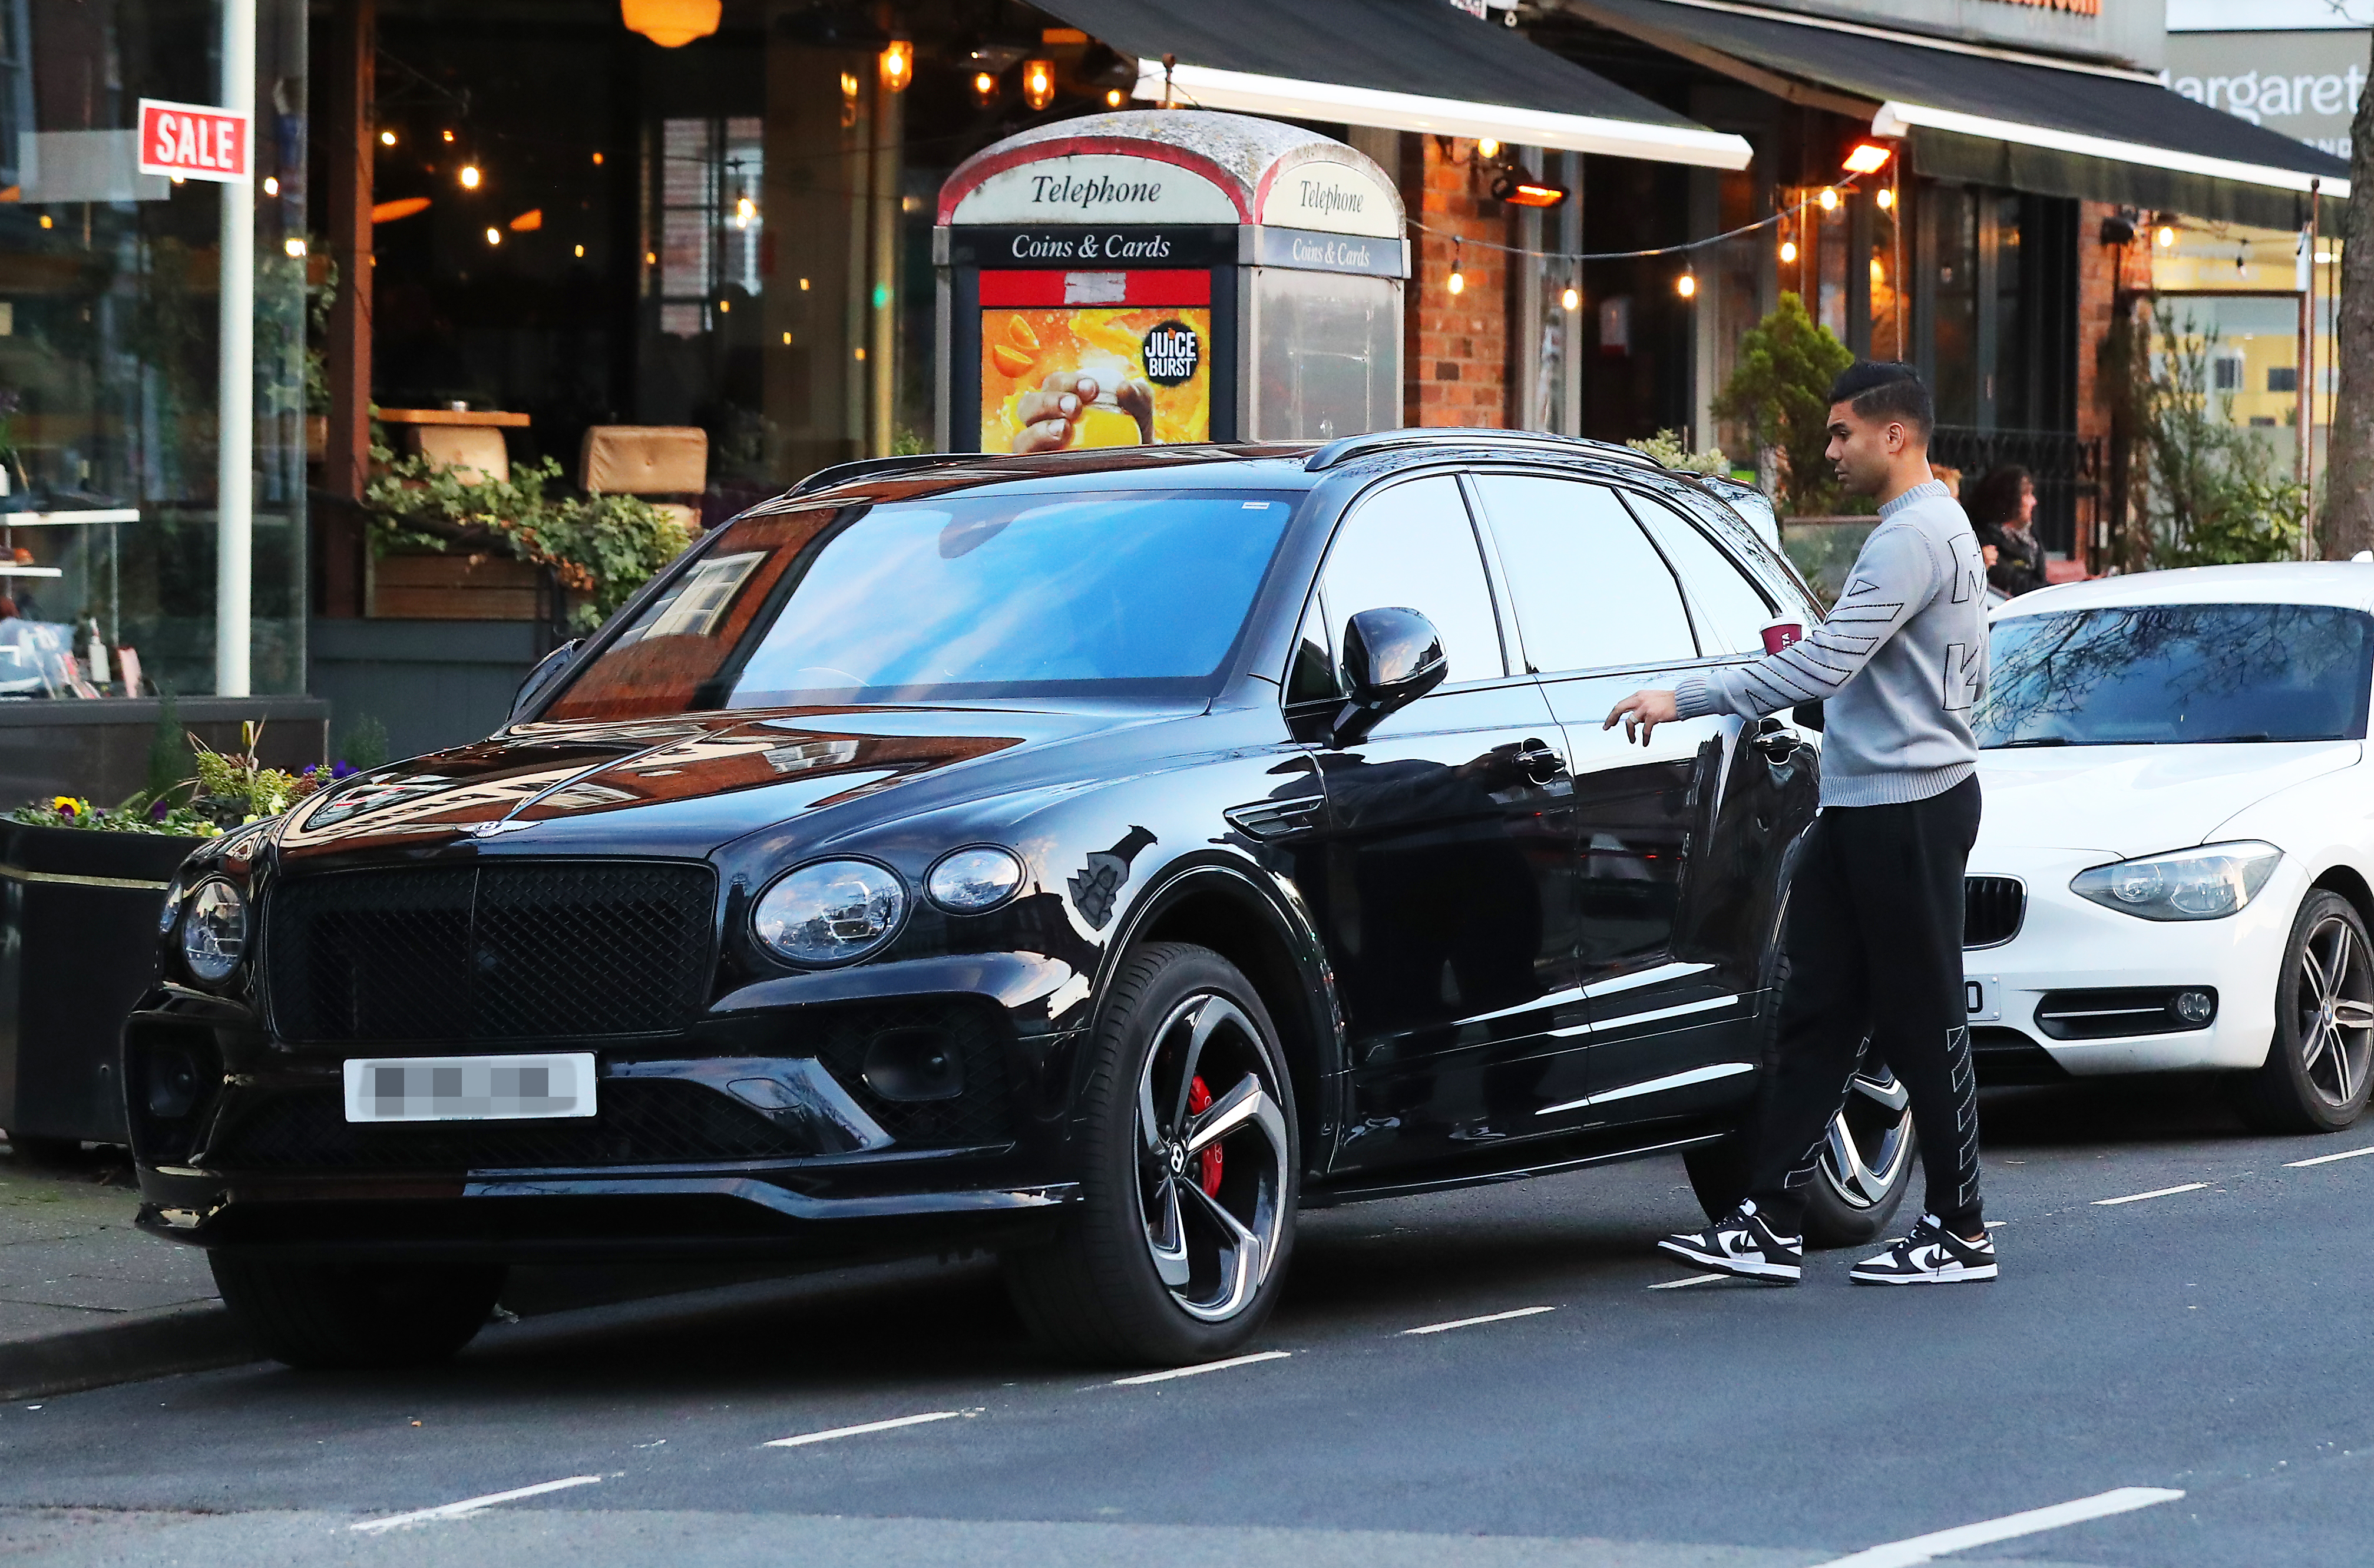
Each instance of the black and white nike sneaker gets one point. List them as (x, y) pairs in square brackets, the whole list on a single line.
[(1743, 1244), (1932, 1255)]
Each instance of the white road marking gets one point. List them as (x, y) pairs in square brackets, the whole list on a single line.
[(1166, 1375), (472, 1504), (805, 1438), (1693, 1280), (2328, 1159), (1920, 1548), (2156, 1192), (1472, 1322)]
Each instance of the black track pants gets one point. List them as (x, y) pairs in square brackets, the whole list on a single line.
[(1875, 945)]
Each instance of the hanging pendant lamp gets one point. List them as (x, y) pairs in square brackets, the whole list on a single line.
[(671, 24)]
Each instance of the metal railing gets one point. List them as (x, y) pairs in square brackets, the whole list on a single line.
[(2068, 470)]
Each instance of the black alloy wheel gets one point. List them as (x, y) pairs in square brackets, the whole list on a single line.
[(1177, 1247), (2321, 1062), (1865, 1164), (357, 1315)]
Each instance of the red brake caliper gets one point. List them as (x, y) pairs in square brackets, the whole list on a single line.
[(1199, 1100)]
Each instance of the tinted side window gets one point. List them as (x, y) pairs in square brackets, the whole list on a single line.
[(1726, 600), (1591, 592), (1412, 547), (1312, 676)]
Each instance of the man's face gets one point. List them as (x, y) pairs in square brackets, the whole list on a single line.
[(1861, 448)]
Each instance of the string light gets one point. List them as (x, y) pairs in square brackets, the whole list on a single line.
[(271, 186), (387, 138), (494, 236), (469, 177), (898, 65), (1487, 147), (984, 86), (1885, 197), (1115, 98), (294, 245), (1788, 251), (580, 251), (597, 160), (1038, 83), (1829, 198), (2167, 236), (1687, 286), (1457, 282), (1572, 300), (448, 135)]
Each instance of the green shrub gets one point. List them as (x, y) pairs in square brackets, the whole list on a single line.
[(2211, 492), (1781, 386)]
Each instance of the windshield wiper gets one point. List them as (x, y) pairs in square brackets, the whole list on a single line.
[(2232, 740), (2034, 741)]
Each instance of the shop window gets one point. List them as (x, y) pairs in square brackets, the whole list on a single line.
[(712, 226)]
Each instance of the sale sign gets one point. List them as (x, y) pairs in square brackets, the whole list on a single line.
[(194, 141)]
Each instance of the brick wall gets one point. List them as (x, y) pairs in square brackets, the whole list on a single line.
[(2100, 271), (1457, 348)]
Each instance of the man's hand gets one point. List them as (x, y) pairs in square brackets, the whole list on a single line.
[(1645, 708)]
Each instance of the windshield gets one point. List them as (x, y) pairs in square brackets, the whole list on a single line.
[(1122, 594), (2159, 674)]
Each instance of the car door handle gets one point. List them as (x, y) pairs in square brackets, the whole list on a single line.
[(1772, 738), (1539, 761)]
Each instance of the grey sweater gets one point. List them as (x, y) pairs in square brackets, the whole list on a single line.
[(1900, 664)]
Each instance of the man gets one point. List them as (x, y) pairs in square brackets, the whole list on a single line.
[(1875, 935)]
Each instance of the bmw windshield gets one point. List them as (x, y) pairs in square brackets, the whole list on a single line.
[(2161, 674), (1127, 595)]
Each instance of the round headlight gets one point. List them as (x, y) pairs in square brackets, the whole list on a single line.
[(968, 881), (832, 912), (214, 930)]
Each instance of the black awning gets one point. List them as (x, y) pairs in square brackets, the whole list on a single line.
[(1404, 64), (2003, 117)]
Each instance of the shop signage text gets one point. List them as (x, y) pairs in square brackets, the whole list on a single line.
[(1095, 188), (194, 141), (1339, 198), (1096, 246), (1330, 253)]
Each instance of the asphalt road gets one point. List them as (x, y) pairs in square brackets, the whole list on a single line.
[(2211, 1340)]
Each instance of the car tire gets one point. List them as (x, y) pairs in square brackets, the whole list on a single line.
[(1863, 1170), (2317, 1071), (1171, 1255), (357, 1315)]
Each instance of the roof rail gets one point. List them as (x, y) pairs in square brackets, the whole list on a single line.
[(1341, 451), (867, 467)]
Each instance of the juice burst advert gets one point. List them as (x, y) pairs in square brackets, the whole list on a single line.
[(1075, 376)]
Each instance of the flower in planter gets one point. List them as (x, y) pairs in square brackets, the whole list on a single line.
[(69, 808)]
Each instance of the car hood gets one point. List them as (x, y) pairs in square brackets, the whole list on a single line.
[(680, 786), (2125, 800)]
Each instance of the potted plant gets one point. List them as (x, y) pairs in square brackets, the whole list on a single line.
[(83, 889)]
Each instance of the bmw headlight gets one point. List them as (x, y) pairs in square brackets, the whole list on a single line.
[(831, 912), (969, 881), (2207, 883), (214, 930)]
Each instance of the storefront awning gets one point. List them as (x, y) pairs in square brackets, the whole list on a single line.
[(2000, 116), (1397, 64)]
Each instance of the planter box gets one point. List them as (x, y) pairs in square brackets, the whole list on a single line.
[(77, 946), (454, 587), (99, 748)]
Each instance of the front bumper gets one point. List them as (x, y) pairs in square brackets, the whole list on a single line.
[(2067, 943), (755, 1132)]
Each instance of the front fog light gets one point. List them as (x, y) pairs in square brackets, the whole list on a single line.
[(214, 930), (968, 881), (831, 912), (2207, 883), (2195, 1007)]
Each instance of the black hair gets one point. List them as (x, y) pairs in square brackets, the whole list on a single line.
[(1994, 499), (1887, 388)]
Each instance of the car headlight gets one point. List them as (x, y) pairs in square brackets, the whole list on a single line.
[(969, 881), (831, 912), (214, 930), (172, 908), (2207, 883)]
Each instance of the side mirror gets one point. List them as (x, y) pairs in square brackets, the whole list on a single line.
[(1392, 657), (547, 669)]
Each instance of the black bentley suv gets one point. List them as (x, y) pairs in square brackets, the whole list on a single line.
[(1092, 857)]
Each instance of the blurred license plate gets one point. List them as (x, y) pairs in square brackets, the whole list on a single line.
[(469, 1088), (1982, 998)]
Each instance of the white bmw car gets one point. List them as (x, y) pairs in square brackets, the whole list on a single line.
[(2173, 868)]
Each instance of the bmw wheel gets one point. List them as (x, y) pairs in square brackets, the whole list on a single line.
[(1179, 1245), (2322, 1060)]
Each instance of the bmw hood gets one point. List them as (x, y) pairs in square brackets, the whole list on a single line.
[(2124, 800), (680, 786)]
